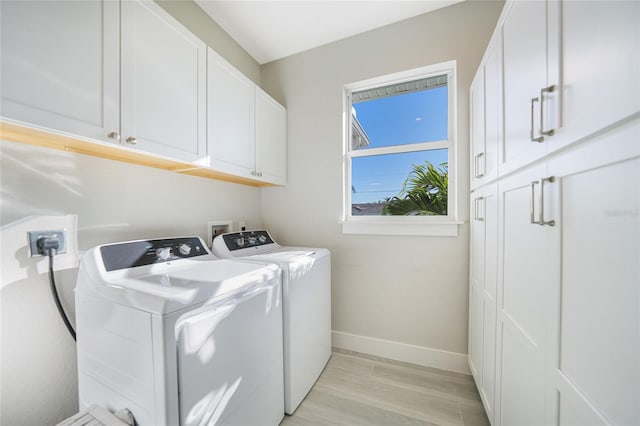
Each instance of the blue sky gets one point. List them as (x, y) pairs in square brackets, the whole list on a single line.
[(403, 119)]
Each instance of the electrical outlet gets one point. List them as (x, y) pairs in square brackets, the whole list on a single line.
[(34, 236)]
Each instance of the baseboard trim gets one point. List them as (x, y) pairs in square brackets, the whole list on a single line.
[(420, 355)]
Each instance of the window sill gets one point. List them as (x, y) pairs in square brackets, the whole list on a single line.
[(413, 228)]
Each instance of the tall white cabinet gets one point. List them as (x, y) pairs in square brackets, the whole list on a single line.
[(565, 343)]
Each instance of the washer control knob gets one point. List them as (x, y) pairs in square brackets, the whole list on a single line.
[(184, 249), (262, 238), (163, 253)]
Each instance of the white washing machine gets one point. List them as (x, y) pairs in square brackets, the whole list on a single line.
[(306, 294), (179, 337)]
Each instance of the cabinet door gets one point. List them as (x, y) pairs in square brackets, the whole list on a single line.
[(476, 284), (485, 121), (163, 84), (489, 292), (600, 66), (271, 139), (529, 271), (483, 285), (230, 113), (524, 41), (493, 109), (596, 368), (477, 124), (60, 65)]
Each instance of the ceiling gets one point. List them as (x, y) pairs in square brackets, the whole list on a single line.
[(271, 30)]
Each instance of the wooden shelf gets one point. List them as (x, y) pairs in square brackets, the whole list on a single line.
[(64, 142)]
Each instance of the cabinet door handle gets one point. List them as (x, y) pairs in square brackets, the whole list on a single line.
[(542, 222), (539, 138), (480, 218), (544, 90), (475, 208), (114, 136), (131, 140), (532, 209), (477, 165), (259, 174)]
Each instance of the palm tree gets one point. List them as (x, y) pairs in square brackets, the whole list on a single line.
[(424, 192)]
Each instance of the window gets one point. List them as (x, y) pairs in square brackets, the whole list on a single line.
[(399, 153)]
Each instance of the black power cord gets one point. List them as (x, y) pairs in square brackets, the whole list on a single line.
[(47, 247)]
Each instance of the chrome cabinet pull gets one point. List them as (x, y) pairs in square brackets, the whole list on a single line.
[(542, 222), (114, 136), (131, 140), (477, 165), (532, 210), (539, 138), (544, 90), (259, 174), (476, 208), (480, 218)]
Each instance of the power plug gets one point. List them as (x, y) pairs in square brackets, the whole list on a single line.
[(48, 245), (41, 242)]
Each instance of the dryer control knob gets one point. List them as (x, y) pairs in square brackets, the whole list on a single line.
[(184, 249), (262, 238), (240, 242), (163, 253)]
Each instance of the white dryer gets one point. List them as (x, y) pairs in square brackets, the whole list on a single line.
[(306, 294), (178, 336)]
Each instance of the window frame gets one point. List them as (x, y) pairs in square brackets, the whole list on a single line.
[(403, 225)]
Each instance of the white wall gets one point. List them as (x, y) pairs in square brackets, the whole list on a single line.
[(194, 18), (402, 297), (113, 201)]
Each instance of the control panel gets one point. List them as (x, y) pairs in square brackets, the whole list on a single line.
[(246, 239), (147, 252)]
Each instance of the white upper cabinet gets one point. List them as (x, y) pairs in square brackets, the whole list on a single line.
[(230, 114), (246, 131), (163, 84), (600, 66), (529, 84), (486, 116), (60, 65), (271, 139)]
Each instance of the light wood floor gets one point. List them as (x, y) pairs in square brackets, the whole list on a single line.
[(356, 389)]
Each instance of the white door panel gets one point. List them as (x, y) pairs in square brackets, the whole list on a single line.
[(163, 84), (524, 75), (597, 359), (600, 66), (231, 108), (61, 66)]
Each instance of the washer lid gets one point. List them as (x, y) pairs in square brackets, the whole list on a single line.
[(172, 285)]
